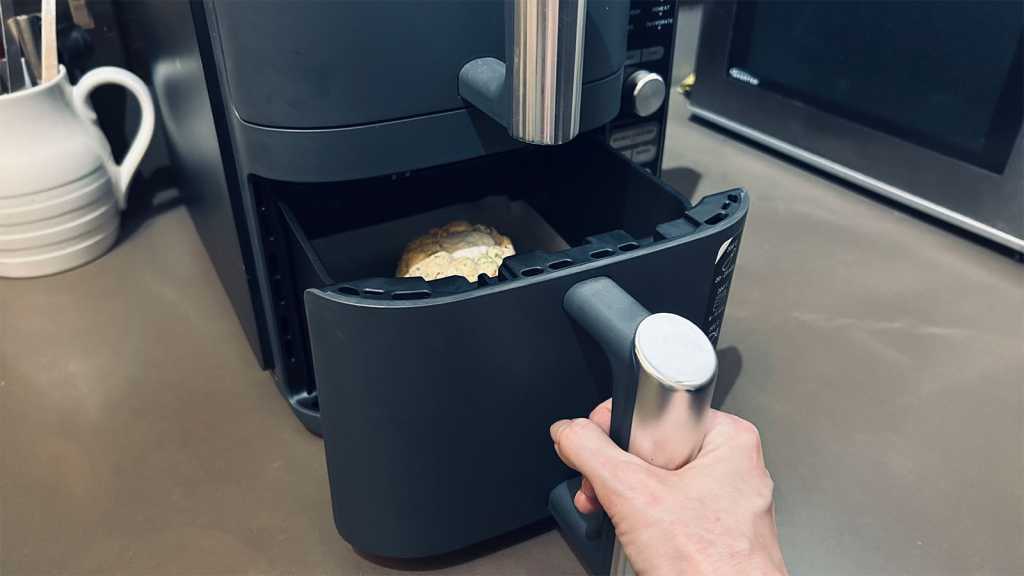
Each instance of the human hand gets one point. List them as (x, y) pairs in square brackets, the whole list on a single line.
[(713, 516)]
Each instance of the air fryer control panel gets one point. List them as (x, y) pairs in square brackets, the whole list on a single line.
[(638, 132)]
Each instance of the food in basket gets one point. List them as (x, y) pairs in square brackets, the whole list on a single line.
[(455, 249)]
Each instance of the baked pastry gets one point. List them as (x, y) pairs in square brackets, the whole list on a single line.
[(455, 249)]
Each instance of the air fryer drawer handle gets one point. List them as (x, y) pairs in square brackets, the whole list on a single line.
[(663, 370), (535, 92)]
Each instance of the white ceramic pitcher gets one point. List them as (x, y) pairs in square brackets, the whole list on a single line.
[(61, 192)]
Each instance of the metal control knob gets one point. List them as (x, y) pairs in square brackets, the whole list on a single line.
[(645, 92)]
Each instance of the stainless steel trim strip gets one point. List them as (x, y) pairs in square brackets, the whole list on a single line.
[(887, 190)]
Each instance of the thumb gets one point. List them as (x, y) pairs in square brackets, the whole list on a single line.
[(585, 447)]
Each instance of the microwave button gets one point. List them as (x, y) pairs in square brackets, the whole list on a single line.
[(633, 57)]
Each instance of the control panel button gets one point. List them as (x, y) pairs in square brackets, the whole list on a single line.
[(625, 137), (659, 22), (645, 153), (645, 92), (633, 57), (621, 139), (651, 54), (661, 9), (646, 133)]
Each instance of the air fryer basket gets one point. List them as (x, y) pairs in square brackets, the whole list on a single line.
[(560, 204)]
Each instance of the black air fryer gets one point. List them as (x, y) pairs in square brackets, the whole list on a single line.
[(314, 140)]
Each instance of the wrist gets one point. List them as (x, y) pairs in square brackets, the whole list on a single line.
[(717, 560)]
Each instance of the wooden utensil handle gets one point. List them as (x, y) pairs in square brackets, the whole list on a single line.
[(49, 40)]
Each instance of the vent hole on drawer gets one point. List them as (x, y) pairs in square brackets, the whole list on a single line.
[(559, 264), (602, 253), (531, 271), (411, 295), (733, 197), (372, 291), (628, 246), (716, 218), (347, 290)]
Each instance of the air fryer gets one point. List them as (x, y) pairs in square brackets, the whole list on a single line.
[(311, 160)]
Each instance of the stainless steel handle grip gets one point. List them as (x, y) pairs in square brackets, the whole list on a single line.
[(535, 93), (547, 70), (677, 372), (677, 368), (663, 370)]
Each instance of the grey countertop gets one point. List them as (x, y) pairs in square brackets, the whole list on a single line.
[(882, 358), (880, 355)]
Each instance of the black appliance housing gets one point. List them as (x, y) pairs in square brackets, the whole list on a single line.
[(917, 101), (310, 142)]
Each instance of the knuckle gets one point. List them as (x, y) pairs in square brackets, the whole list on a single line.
[(579, 424), (748, 433), (576, 428), (765, 500), (763, 489)]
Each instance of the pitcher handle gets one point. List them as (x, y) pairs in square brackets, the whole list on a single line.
[(122, 173)]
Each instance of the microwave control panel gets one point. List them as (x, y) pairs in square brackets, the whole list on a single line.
[(638, 132)]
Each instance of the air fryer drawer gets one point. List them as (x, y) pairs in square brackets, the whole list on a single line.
[(436, 397)]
